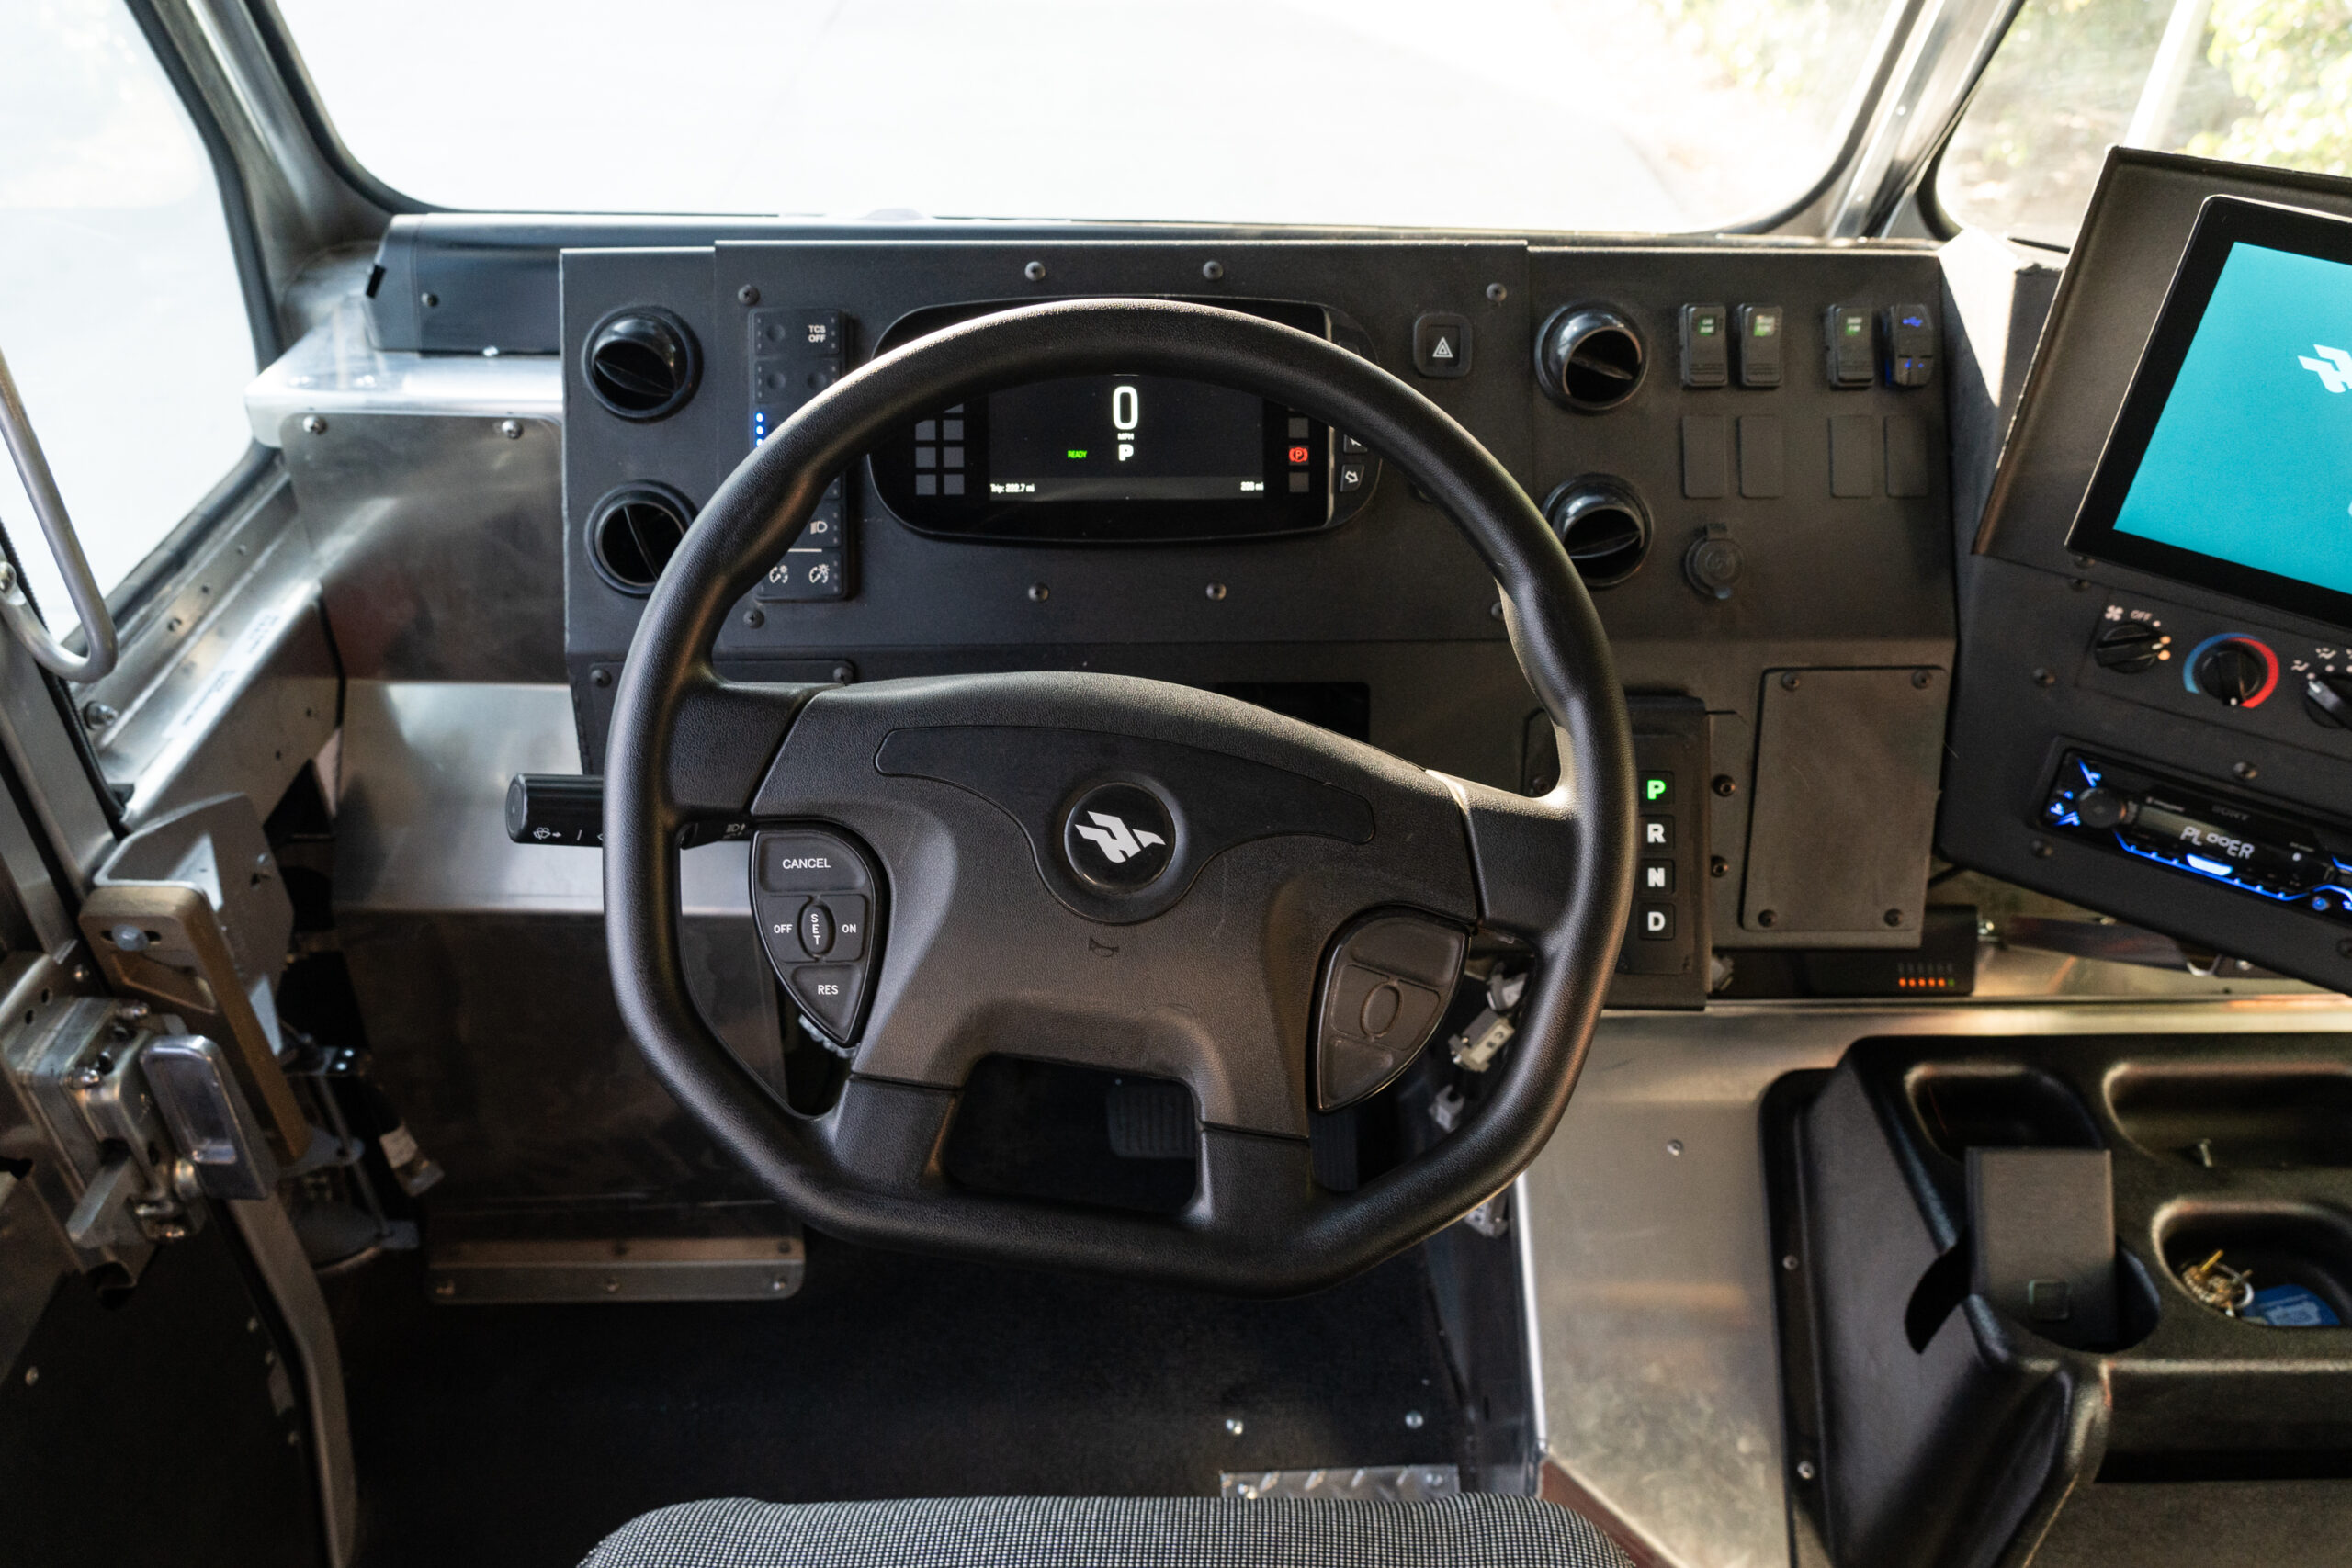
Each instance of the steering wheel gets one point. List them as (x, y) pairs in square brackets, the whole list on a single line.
[(1117, 872)]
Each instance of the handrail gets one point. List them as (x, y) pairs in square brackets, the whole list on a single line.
[(48, 510)]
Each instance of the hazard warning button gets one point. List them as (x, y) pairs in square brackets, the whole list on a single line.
[(1442, 344)]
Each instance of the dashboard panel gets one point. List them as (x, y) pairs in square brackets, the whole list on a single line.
[(1744, 444)]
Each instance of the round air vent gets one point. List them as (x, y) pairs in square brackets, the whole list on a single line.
[(1589, 357), (642, 363), (1603, 525), (633, 532)]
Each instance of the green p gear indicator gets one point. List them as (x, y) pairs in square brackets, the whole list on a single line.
[(1657, 789)]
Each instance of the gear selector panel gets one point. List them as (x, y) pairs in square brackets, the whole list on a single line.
[(815, 896)]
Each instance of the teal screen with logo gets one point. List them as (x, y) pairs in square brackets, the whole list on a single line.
[(2251, 460)]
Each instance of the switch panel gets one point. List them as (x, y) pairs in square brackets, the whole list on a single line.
[(1706, 347), (796, 354)]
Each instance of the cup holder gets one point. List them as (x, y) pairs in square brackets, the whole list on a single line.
[(2284, 1244), (1965, 1105), (2278, 1117)]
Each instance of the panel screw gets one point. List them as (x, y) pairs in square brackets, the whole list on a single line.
[(1923, 678), (844, 674), (1895, 917), (98, 714), (510, 428), (1674, 1147), (752, 617), (1233, 1425), (1788, 1261), (1804, 1470), (1497, 294), (1724, 786), (1414, 1420), (1034, 272), (430, 299), (32, 1376), (1212, 270), (313, 425), (600, 677), (1495, 611), (2044, 678), (1768, 918), (2042, 849), (1718, 866), (747, 295), (1217, 590), (1039, 592), (2079, 584), (2244, 770), (1789, 681)]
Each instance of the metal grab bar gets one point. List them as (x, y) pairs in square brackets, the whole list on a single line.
[(48, 510)]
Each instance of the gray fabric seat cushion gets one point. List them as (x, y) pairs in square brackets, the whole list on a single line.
[(1475, 1530)]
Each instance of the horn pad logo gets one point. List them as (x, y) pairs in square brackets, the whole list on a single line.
[(1119, 837)]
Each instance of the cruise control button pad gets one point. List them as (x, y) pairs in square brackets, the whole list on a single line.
[(813, 892)]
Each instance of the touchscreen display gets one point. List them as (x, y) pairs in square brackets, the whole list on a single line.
[(2251, 460), (2229, 464), (1125, 438)]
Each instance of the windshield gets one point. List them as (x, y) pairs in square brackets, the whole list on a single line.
[(1539, 115)]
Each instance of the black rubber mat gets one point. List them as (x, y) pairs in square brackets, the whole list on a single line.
[(519, 1436)]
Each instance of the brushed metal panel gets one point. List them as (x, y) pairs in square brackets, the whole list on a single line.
[(439, 541), (1650, 1271)]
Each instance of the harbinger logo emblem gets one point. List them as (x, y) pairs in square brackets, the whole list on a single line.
[(2333, 367), (1118, 843), (1118, 837)]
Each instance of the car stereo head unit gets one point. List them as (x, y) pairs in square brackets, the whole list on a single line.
[(1118, 459), (2230, 466)]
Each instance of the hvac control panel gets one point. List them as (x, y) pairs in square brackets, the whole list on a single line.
[(2216, 665)]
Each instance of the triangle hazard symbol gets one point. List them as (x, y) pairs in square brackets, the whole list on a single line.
[(1444, 349)]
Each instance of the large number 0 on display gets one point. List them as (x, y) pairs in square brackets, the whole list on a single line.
[(1126, 411)]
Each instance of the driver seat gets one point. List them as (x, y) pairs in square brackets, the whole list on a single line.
[(1472, 1530)]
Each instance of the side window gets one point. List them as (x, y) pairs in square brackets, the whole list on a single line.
[(2255, 81), (121, 314)]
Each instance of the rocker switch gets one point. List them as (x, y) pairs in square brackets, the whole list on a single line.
[(817, 930)]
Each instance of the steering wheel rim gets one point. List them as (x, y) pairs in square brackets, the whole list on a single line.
[(1555, 872)]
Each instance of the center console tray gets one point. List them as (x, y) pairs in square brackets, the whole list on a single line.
[(1926, 1425)]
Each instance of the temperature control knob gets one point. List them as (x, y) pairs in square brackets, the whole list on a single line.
[(2328, 700), (2235, 670)]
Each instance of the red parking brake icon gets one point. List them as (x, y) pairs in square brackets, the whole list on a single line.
[(1299, 454)]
